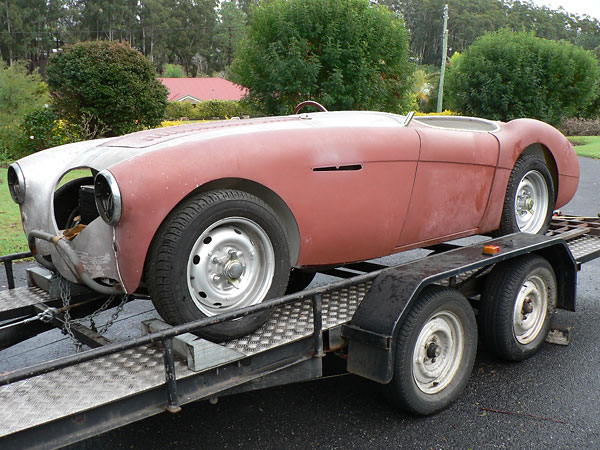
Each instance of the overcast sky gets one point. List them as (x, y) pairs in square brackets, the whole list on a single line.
[(581, 7)]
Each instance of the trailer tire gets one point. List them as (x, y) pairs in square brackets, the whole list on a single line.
[(517, 304), (217, 252), (434, 352)]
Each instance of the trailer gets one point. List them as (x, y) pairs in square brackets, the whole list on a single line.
[(412, 327)]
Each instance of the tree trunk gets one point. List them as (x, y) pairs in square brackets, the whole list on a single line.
[(10, 55)]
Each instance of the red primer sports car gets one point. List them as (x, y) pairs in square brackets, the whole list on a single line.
[(211, 217)]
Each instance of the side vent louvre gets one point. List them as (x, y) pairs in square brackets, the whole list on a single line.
[(338, 168)]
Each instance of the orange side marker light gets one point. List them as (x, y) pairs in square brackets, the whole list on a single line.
[(491, 249)]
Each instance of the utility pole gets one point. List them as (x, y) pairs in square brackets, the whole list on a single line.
[(444, 56)]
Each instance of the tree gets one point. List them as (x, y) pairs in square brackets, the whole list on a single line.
[(469, 19), (229, 31), (505, 75), (29, 30), (106, 19), (153, 16), (344, 54), (20, 93), (108, 85), (189, 31), (248, 5)]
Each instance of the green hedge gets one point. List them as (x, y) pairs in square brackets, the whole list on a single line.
[(505, 75), (211, 109)]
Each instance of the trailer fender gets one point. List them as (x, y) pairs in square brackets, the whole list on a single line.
[(375, 323)]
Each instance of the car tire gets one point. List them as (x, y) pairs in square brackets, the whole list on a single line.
[(516, 307), (217, 252), (299, 280), (434, 352), (529, 200)]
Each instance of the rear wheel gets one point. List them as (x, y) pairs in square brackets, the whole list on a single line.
[(217, 252), (529, 198), (434, 351), (517, 304)]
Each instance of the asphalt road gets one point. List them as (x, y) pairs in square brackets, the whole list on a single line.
[(551, 400)]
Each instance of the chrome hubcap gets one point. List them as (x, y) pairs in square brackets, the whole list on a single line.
[(530, 309), (231, 266), (531, 202), (438, 352)]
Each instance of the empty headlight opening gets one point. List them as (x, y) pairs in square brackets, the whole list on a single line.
[(16, 183), (74, 202)]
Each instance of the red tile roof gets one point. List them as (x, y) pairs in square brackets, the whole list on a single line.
[(203, 89)]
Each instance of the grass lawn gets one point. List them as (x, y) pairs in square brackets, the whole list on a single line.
[(12, 237), (587, 145)]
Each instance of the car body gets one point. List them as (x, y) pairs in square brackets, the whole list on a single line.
[(344, 186)]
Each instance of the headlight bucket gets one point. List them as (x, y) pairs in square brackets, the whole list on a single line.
[(16, 183), (108, 197)]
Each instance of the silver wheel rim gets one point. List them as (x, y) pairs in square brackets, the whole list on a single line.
[(531, 202), (438, 352), (231, 265), (529, 313)]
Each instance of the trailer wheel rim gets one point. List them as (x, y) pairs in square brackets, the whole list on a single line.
[(529, 313), (231, 265), (438, 352), (531, 202)]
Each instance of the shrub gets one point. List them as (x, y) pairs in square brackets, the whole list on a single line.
[(445, 112), (10, 140), (42, 129), (344, 54), (109, 83), (211, 109), (580, 127), (505, 75), (173, 71), (174, 123)]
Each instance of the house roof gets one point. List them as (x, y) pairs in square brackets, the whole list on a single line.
[(202, 89)]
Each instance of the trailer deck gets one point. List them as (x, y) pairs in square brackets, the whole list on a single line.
[(77, 401)]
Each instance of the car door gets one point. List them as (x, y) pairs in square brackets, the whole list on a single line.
[(355, 193), (452, 184)]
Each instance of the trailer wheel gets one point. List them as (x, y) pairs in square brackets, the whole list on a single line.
[(217, 252), (517, 304), (434, 351)]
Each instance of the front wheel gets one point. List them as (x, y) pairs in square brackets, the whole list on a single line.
[(434, 351), (529, 198), (217, 252)]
